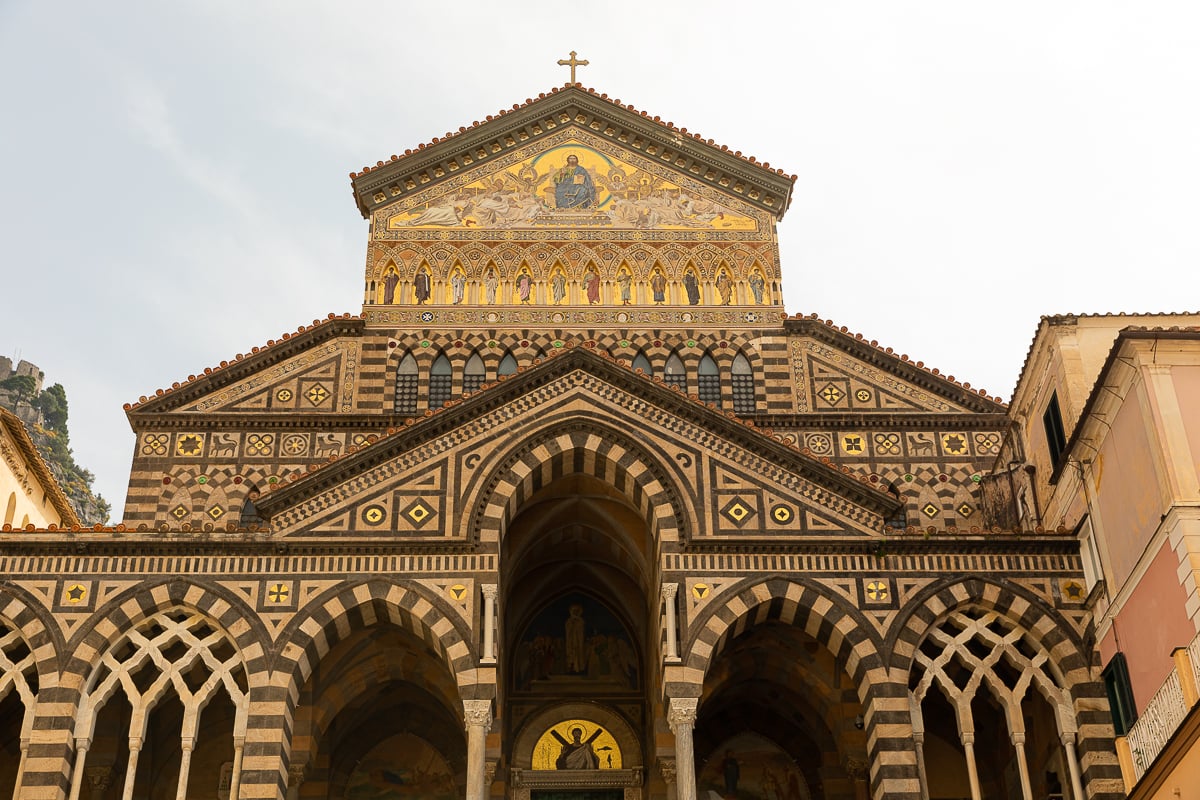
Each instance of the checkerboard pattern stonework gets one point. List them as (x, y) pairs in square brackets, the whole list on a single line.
[(572, 464)]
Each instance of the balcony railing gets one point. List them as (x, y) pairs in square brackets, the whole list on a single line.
[(1163, 714)]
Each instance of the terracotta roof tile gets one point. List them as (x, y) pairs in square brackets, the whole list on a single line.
[(316, 323), (366, 170)]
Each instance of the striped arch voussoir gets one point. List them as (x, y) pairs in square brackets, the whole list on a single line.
[(792, 601), (1018, 604), (580, 447), (334, 616), (122, 612), (21, 612)]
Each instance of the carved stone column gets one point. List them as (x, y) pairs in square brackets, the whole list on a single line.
[(669, 590), (478, 715), (968, 742), (490, 592), (296, 775), (98, 779), (681, 716), (667, 767), (81, 749)]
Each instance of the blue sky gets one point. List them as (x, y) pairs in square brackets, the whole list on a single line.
[(175, 174)]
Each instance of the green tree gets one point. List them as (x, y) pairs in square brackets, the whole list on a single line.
[(53, 405)]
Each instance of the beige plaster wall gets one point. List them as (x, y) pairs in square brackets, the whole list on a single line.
[(23, 499)]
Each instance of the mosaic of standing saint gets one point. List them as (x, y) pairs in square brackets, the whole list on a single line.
[(573, 184)]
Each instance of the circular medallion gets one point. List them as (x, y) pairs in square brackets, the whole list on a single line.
[(374, 514)]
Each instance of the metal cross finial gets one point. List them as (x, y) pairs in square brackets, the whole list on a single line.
[(572, 63)]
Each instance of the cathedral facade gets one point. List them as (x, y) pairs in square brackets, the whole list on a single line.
[(572, 511)]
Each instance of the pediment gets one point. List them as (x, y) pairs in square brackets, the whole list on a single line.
[(570, 179), (573, 111), (443, 477), (311, 372), (840, 373)]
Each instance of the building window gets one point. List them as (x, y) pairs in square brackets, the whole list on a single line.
[(1120, 694), (441, 382), (407, 384), (1056, 436), (641, 362), (508, 365), (709, 380), (675, 374), (742, 383), (473, 374)]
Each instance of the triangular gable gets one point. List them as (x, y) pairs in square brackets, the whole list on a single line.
[(570, 179), (737, 482), (572, 109), (837, 372), (311, 371)]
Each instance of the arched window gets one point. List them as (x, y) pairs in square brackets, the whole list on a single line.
[(441, 382), (473, 374), (899, 520), (508, 365), (675, 374), (742, 383), (407, 384), (250, 515), (709, 380), (641, 362)]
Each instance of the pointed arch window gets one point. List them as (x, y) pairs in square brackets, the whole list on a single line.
[(407, 385), (508, 365), (899, 520), (741, 381), (674, 374), (709, 380), (641, 362), (473, 374), (441, 382)]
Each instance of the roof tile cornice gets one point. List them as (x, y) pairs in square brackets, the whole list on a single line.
[(753, 181), (929, 378), (34, 461), (244, 364)]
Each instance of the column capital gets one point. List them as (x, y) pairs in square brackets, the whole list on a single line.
[(490, 590), (489, 773), (296, 774), (666, 766), (682, 711), (669, 590), (99, 777), (478, 713)]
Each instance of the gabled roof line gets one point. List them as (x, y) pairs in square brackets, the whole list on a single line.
[(846, 480), (572, 106), (967, 395), (670, 126), (226, 368), (33, 459)]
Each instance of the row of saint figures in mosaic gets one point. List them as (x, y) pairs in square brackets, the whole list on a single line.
[(400, 286)]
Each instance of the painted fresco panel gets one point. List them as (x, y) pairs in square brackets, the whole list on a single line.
[(576, 644), (751, 767), (402, 767)]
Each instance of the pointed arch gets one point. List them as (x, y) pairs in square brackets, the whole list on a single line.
[(741, 382), (408, 381), (441, 381), (795, 600), (333, 616), (674, 373), (650, 482), (641, 362), (508, 365), (474, 373), (708, 380)]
